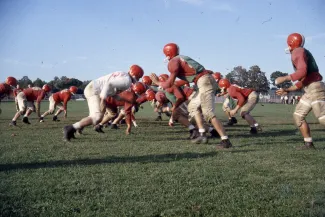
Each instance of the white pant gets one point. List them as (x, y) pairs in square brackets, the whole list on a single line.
[(23, 103)]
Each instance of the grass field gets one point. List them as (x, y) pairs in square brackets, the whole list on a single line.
[(157, 172)]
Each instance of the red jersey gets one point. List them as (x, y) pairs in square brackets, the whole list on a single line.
[(5, 90), (127, 99), (184, 68), (34, 93), (62, 96), (306, 69), (17, 90), (239, 93)]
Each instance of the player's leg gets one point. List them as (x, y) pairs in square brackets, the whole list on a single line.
[(207, 88), (247, 108)]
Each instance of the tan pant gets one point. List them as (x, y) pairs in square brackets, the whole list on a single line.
[(53, 105), (194, 104), (180, 111), (23, 104), (93, 101), (313, 99), (207, 86), (250, 104)]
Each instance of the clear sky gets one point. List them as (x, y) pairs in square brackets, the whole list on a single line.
[(86, 39)]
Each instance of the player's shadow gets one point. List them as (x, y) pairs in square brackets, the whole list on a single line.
[(278, 133), (159, 158)]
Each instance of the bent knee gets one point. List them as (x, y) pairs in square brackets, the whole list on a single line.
[(298, 119)]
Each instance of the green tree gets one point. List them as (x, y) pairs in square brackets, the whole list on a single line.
[(38, 83), (253, 78), (24, 82)]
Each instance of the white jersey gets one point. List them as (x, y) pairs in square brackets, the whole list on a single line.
[(112, 84)]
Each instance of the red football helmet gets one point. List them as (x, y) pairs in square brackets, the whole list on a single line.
[(150, 95), (161, 97), (217, 76), (224, 83), (11, 81), (295, 40), (171, 50), (136, 72), (146, 80), (73, 89), (163, 77), (139, 88), (46, 88)]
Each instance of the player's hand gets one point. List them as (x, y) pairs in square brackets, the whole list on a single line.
[(171, 122), (281, 79), (233, 112), (281, 92), (154, 78)]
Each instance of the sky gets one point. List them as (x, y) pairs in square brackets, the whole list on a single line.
[(86, 39)]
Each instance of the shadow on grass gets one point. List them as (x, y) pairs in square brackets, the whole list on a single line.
[(161, 158), (278, 133)]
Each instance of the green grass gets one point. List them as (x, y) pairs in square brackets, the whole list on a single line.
[(157, 172)]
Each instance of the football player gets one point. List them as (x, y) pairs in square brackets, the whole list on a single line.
[(228, 103), (6, 88), (26, 104), (246, 101), (96, 93), (59, 99), (127, 100), (307, 74), (185, 68), (16, 91)]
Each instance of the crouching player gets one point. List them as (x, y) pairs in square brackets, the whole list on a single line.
[(247, 99), (96, 93), (127, 99), (60, 100), (26, 104)]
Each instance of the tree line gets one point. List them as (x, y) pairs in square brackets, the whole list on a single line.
[(254, 78)]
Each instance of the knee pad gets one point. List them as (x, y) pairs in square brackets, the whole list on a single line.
[(298, 119), (97, 118), (322, 120)]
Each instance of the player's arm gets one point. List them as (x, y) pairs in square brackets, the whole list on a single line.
[(38, 103), (240, 100), (65, 107), (180, 97), (284, 91)]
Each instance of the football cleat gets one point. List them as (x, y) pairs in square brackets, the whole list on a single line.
[(158, 118), (253, 130), (41, 119), (99, 128), (13, 123), (114, 126), (68, 132), (224, 144), (202, 139), (25, 120), (306, 146)]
